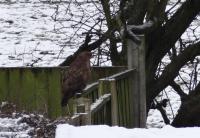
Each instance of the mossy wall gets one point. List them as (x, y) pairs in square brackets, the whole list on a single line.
[(39, 89)]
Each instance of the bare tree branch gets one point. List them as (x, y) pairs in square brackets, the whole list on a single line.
[(178, 89), (172, 70), (173, 6), (178, 23), (160, 106), (195, 91), (110, 23)]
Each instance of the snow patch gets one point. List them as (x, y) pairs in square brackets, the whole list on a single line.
[(99, 101), (103, 131)]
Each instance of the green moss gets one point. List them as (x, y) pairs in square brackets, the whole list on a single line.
[(28, 90), (54, 93), (14, 86), (41, 91), (3, 85)]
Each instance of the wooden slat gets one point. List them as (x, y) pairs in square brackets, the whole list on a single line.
[(14, 90), (54, 93), (119, 99), (27, 84), (100, 102), (142, 85), (4, 79), (41, 85), (108, 119), (123, 106), (132, 103), (114, 105), (127, 102)]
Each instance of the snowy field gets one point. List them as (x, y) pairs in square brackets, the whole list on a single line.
[(27, 35), (28, 39)]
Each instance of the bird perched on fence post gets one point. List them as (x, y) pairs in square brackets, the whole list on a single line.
[(77, 76)]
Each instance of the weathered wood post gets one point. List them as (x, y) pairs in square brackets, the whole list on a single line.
[(114, 111), (82, 108), (136, 60)]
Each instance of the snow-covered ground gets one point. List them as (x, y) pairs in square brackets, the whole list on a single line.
[(68, 131), (27, 35), (154, 119), (12, 127)]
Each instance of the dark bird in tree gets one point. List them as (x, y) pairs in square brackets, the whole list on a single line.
[(76, 77)]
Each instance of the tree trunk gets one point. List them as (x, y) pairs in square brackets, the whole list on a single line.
[(189, 113)]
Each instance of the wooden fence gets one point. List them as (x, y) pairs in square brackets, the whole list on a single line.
[(39, 89), (112, 102)]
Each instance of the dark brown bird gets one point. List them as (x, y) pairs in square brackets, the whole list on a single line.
[(76, 77)]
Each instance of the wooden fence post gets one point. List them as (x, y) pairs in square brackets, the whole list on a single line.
[(114, 111), (136, 60), (82, 108)]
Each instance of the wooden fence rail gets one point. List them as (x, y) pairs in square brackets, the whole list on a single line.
[(114, 104), (101, 110), (121, 93), (91, 91)]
